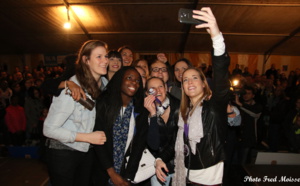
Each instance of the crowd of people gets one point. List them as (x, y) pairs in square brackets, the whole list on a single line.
[(272, 101), (100, 110)]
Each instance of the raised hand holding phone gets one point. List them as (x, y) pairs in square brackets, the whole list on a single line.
[(186, 16), (211, 26)]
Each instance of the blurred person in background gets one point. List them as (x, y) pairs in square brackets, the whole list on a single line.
[(179, 67)]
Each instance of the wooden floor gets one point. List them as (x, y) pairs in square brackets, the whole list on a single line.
[(22, 172)]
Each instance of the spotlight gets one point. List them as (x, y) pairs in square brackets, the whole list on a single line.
[(235, 82)]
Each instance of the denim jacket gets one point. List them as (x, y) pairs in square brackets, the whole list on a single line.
[(66, 118)]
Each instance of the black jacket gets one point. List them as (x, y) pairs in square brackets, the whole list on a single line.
[(162, 136), (247, 129), (104, 153), (210, 150)]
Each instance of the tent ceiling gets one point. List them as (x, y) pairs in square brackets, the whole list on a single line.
[(249, 26)]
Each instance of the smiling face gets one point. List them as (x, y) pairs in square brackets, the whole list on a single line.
[(159, 69), (130, 84), (179, 68), (159, 87), (114, 64), (193, 85), (127, 57), (97, 62)]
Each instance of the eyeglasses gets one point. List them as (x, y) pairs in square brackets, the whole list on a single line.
[(156, 69)]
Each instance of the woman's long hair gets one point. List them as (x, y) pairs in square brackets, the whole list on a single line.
[(83, 72), (111, 96), (186, 107)]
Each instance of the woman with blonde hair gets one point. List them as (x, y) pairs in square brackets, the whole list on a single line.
[(199, 148)]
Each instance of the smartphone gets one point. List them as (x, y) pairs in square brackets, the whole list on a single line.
[(186, 16)]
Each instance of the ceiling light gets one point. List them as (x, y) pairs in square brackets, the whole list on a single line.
[(67, 25)]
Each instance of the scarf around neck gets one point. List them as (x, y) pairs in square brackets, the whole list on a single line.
[(195, 133), (120, 135), (160, 110)]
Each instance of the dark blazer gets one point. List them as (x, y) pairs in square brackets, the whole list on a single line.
[(104, 153)]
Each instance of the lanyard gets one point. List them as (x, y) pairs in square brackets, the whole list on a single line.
[(186, 130)]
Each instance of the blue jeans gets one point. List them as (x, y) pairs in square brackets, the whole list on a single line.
[(157, 182)]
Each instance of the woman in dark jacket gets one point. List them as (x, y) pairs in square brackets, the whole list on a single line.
[(199, 148), (120, 114), (163, 118)]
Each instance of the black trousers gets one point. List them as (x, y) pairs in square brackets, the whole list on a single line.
[(69, 168)]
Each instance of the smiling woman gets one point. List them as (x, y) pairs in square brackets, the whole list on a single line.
[(69, 126), (200, 140), (163, 128), (121, 115), (114, 63), (127, 55)]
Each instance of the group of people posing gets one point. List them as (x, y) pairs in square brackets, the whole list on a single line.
[(132, 107)]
